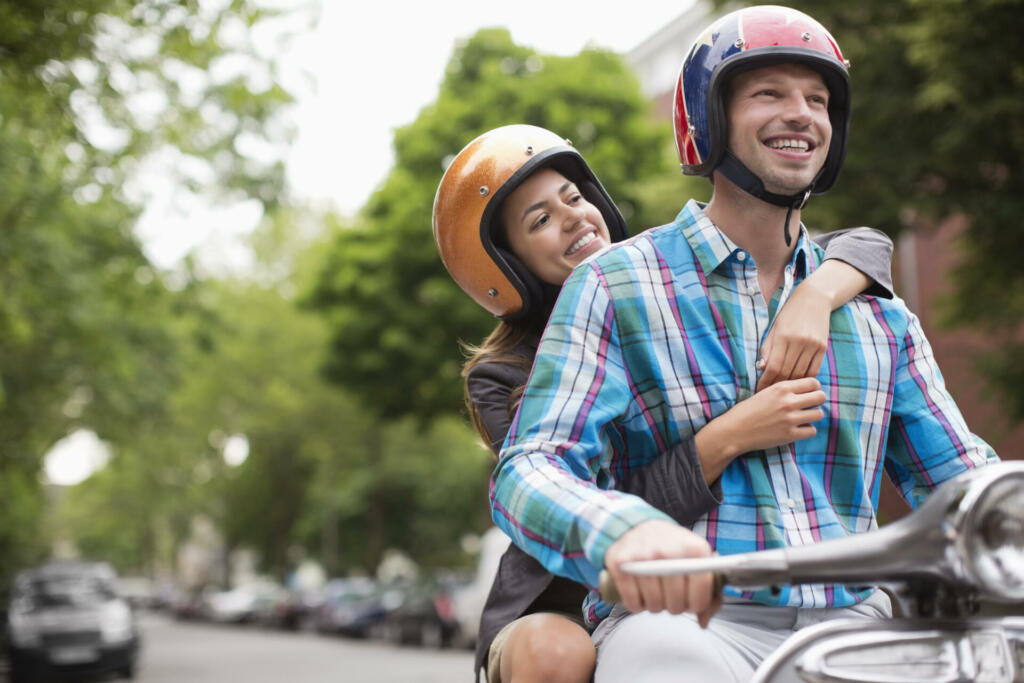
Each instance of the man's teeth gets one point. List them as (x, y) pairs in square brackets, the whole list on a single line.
[(787, 144), (580, 243)]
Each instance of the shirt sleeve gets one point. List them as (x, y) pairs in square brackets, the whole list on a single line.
[(674, 483), (866, 249), (929, 441), (544, 491)]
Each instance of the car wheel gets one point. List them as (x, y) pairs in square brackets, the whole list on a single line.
[(431, 635)]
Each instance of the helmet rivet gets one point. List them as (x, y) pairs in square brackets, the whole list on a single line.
[(806, 36), (484, 190), (568, 142), (692, 132), (740, 43), (846, 63), (529, 150), (492, 292)]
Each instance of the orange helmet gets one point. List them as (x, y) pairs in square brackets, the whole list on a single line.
[(467, 227)]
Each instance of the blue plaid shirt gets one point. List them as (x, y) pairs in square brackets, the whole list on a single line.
[(656, 336)]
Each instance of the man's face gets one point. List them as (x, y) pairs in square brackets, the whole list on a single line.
[(779, 126)]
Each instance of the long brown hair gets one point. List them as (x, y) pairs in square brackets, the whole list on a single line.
[(500, 346)]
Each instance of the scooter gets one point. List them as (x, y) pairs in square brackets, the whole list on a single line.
[(954, 568)]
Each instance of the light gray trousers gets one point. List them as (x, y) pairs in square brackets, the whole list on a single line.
[(656, 647)]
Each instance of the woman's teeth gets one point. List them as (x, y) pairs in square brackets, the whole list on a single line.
[(580, 243)]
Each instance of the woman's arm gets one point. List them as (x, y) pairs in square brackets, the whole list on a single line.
[(856, 261)]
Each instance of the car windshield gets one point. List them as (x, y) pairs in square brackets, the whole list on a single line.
[(71, 591)]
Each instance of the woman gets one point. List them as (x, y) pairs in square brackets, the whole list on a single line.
[(517, 209)]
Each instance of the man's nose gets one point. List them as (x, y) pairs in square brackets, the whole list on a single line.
[(797, 110)]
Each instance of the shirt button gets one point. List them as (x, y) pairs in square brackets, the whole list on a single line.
[(741, 255), (751, 290), (791, 503)]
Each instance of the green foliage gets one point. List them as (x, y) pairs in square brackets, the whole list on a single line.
[(938, 130), (88, 92), (395, 313)]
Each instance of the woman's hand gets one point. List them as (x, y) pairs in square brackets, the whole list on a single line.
[(780, 414), (796, 344)]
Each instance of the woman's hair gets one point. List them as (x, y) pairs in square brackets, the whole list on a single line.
[(499, 347)]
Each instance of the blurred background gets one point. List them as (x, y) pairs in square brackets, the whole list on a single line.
[(229, 354)]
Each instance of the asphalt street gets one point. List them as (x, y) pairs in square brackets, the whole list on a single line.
[(176, 652)]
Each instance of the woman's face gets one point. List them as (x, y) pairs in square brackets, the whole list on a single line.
[(551, 227)]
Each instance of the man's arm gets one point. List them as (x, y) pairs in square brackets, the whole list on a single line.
[(544, 491), (929, 441)]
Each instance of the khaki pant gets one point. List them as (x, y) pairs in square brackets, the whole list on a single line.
[(652, 648)]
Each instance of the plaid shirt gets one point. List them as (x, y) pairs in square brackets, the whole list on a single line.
[(656, 336)]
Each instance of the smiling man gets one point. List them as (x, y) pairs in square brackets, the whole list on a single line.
[(658, 335)]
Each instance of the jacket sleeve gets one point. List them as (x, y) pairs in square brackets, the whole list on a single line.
[(866, 249), (674, 483)]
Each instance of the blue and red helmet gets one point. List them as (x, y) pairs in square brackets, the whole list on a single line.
[(747, 39)]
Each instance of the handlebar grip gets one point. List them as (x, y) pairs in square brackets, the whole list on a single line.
[(610, 591)]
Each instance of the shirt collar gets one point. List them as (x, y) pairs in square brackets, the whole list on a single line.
[(712, 247)]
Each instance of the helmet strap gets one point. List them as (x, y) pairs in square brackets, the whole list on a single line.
[(743, 178)]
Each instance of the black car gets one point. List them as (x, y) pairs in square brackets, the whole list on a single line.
[(426, 616), (67, 618)]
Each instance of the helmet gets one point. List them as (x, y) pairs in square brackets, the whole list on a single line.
[(467, 209), (746, 39)]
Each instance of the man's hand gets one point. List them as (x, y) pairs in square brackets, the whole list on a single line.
[(656, 539)]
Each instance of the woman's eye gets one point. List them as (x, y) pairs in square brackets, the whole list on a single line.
[(575, 199), (540, 222)]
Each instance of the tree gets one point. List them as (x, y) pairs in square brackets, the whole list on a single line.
[(89, 93), (395, 314)]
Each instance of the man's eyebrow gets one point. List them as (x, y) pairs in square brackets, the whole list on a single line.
[(542, 203)]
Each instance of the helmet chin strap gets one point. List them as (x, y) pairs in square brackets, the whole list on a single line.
[(741, 176)]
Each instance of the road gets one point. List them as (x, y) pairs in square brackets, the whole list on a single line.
[(176, 652)]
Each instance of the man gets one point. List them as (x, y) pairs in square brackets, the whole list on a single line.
[(656, 336)]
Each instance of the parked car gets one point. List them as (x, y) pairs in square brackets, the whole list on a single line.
[(469, 599), (356, 607), (67, 617), (296, 610), (250, 602), (427, 615)]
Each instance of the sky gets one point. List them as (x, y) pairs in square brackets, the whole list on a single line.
[(363, 69), (359, 72)]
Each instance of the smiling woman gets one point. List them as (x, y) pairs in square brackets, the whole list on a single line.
[(74, 458)]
